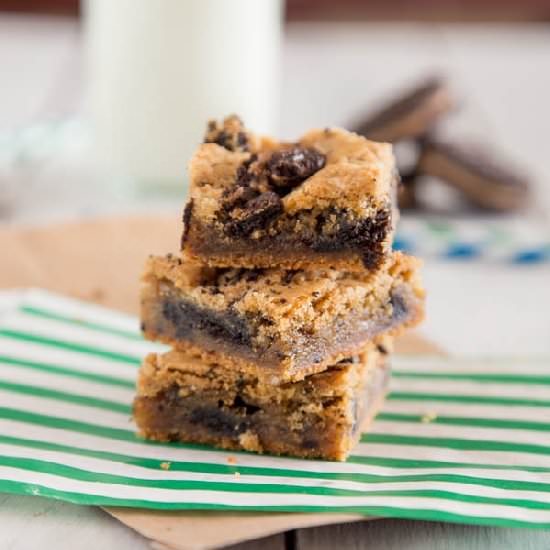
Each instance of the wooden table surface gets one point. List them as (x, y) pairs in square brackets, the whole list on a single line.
[(503, 73)]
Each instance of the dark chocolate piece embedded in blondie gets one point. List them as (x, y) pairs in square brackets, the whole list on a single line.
[(278, 324), (186, 397), (325, 201)]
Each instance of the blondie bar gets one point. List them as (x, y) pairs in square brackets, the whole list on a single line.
[(188, 397), (325, 201), (282, 324)]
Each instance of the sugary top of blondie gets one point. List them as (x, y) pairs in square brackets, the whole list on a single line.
[(286, 298), (325, 168)]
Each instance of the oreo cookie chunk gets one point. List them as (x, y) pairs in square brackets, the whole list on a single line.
[(279, 325), (229, 134), (324, 200), (475, 172), (411, 115)]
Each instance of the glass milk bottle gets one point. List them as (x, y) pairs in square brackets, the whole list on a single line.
[(159, 69)]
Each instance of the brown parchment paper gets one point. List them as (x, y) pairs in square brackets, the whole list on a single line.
[(101, 261)]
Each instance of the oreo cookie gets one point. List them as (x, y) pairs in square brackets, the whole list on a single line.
[(411, 115), (475, 171)]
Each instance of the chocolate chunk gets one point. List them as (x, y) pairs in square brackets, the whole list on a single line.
[(250, 204), (253, 275), (371, 237), (372, 256), (288, 276), (365, 236), (230, 134), (242, 140), (238, 197), (247, 408), (217, 421), (264, 202), (221, 138), (187, 212), (290, 167), (187, 317), (246, 174), (243, 191), (382, 349), (257, 213), (310, 443)]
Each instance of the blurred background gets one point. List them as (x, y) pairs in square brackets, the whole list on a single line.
[(102, 102)]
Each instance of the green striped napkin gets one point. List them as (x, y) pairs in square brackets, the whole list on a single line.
[(459, 439)]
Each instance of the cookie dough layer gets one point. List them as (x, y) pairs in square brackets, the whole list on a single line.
[(191, 398), (281, 325), (325, 201)]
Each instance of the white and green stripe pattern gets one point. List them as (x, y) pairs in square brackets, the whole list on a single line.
[(67, 371)]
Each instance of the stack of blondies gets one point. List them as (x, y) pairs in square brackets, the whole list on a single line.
[(281, 309)]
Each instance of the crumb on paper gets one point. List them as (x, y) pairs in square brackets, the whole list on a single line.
[(237, 474), (429, 417), (231, 460), (97, 294), (165, 465)]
